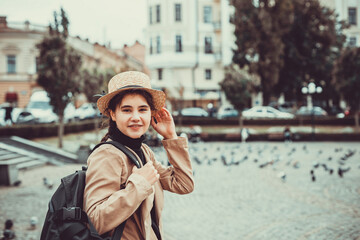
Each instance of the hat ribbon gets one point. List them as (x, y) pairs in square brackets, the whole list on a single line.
[(127, 86)]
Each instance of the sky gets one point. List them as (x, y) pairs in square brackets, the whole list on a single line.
[(117, 21)]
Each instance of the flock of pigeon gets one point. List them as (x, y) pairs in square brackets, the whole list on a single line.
[(263, 155)]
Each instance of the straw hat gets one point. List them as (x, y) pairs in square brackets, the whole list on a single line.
[(130, 80)]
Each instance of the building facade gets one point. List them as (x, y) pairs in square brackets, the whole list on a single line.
[(18, 59), (18, 54), (188, 45), (189, 42), (347, 10), (136, 51)]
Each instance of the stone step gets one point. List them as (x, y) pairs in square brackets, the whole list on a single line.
[(9, 155), (18, 160), (30, 164), (3, 151)]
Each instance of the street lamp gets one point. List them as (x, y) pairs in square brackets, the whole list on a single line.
[(309, 90)]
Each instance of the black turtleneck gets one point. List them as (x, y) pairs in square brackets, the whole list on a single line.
[(133, 143)]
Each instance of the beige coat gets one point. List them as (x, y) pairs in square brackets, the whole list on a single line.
[(113, 194)]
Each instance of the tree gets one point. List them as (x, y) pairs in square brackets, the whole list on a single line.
[(311, 47), (93, 85), (94, 82), (59, 68), (259, 29), (237, 87), (346, 78)]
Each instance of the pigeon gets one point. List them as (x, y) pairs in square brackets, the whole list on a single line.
[(263, 165), (197, 160), (296, 164), (223, 159), (282, 176), (313, 178), (49, 184), (312, 173), (17, 183), (324, 166), (33, 222), (341, 171), (350, 153), (315, 164)]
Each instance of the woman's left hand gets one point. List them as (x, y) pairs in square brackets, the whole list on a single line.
[(164, 125)]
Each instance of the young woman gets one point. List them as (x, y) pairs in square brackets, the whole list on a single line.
[(115, 189)]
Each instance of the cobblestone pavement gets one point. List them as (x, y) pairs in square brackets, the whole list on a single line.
[(242, 191)]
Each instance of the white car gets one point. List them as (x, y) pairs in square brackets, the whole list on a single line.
[(85, 111), (266, 112), (41, 111), (227, 112), (38, 110), (192, 112)]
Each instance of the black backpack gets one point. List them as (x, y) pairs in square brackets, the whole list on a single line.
[(65, 219)]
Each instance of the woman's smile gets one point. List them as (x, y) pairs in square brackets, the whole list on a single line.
[(135, 126)]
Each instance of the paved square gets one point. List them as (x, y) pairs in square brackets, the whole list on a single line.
[(256, 190)]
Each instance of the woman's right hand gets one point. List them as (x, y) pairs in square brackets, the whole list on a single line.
[(148, 172)]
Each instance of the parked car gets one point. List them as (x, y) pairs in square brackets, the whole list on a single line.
[(305, 111), (192, 112), (69, 113), (85, 111), (37, 112), (227, 112), (336, 111), (284, 107), (265, 112)]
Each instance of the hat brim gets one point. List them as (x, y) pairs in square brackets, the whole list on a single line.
[(157, 96)]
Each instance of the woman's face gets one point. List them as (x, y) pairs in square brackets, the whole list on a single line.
[(132, 115)]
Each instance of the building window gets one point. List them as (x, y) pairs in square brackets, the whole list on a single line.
[(178, 43), (352, 41), (158, 44), (352, 16), (36, 67), (160, 72), (208, 45), (150, 15), (151, 46), (157, 13), (177, 12), (208, 74), (11, 63), (207, 14)]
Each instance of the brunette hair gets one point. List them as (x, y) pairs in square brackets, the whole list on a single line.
[(115, 101)]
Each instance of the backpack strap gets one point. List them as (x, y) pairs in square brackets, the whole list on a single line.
[(122, 148), (119, 229)]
